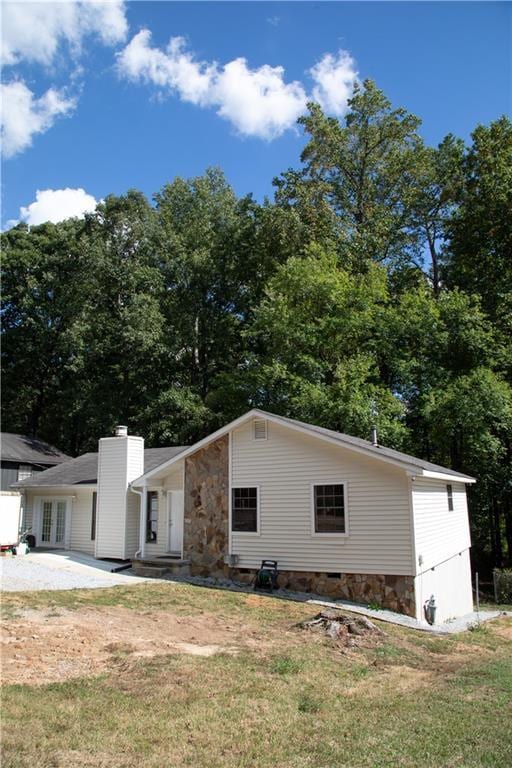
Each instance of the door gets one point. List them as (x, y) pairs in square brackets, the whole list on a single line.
[(175, 518), (53, 523)]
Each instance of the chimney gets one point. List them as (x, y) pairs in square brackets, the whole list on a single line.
[(120, 460), (374, 435)]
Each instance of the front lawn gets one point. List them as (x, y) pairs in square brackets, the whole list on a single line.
[(262, 694)]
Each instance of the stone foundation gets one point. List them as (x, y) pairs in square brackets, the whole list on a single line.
[(206, 510), (393, 592)]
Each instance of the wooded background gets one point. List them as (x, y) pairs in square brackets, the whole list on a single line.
[(376, 287)]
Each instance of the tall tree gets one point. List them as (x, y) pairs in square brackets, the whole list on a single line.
[(355, 184), (478, 257), (45, 282)]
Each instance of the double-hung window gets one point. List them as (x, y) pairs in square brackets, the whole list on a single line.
[(449, 493), (329, 510), (244, 510)]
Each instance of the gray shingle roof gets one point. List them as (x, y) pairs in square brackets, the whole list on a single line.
[(84, 469), (377, 450), (29, 450)]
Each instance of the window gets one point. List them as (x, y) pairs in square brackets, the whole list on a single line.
[(244, 510), (329, 508), (152, 516), (449, 491), (24, 471), (93, 516)]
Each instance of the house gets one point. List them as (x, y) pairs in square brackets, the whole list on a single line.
[(21, 456), (343, 517)]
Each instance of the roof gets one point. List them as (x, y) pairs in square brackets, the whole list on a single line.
[(404, 460), (29, 450), (84, 469), (377, 450)]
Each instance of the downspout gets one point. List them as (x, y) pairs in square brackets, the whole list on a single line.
[(140, 494)]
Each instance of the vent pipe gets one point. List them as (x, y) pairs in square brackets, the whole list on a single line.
[(374, 435), (121, 431)]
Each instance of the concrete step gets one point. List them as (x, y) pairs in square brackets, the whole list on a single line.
[(160, 567)]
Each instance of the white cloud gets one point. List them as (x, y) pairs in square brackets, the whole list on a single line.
[(34, 30), (258, 102), (335, 78), (174, 69), (56, 205), (23, 115)]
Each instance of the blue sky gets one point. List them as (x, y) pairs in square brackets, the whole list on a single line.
[(96, 101)]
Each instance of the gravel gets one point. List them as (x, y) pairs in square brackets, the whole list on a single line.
[(60, 570)]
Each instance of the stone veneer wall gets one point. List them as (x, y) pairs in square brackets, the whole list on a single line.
[(206, 509), (393, 592)]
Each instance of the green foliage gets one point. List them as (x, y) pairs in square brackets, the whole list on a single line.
[(375, 289)]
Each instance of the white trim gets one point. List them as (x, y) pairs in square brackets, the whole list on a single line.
[(414, 554), (143, 521), (257, 532), (183, 533), (230, 492), (37, 515), (449, 478), (329, 534)]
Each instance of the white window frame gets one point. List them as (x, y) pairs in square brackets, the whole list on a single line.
[(329, 534), (257, 532)]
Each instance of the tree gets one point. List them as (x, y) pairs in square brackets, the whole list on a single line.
[(354, 189), (45, 282), (431, 200), (317, 357), (477, 258)]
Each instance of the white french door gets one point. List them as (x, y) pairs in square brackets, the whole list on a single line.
[(175, 519), (53, 523)]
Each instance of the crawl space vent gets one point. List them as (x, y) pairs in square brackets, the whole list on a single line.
[(260, 429)]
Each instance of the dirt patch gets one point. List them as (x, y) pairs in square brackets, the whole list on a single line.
[(37, 648), (503, 630), (400, 679)]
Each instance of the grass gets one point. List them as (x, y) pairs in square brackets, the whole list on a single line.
[(413, 700)]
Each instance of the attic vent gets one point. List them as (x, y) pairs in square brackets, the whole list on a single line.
[(260, 429)]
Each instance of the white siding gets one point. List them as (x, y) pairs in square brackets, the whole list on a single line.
[(284, 466), (81, 522), (120, 460), (439, 532), (79, 534), (450, 583), (173, 481)]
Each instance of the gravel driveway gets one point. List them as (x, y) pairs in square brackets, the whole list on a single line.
[(60, 570)]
